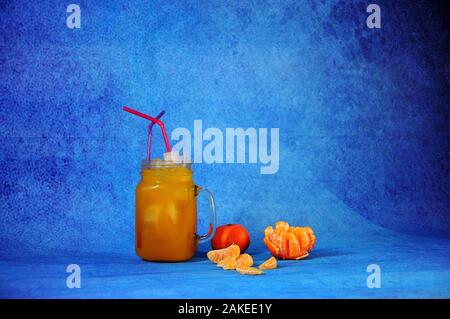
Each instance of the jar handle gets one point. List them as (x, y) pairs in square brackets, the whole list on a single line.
[(212, 221)]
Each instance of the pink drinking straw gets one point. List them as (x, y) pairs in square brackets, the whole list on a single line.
[(156, 121), (150, 128)]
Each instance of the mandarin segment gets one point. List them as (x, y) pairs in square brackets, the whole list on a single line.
[(304, 239), (281, 242), (268, 231), (272, 248), (228, 263), (284, 226), (219, 254), (312, 237), (249, 271), (294, 246), (244, 260), (270, 263)]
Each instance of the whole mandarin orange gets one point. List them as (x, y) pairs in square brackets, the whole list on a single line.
[(229, 234)]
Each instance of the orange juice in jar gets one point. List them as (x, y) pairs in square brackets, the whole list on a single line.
[(166, 212)]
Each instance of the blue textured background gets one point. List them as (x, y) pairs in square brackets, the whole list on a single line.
[(363, 117)]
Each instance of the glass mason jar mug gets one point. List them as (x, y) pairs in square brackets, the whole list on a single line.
[(166, 212)]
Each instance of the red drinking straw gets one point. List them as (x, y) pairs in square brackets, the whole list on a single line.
[(150, 129), (156, 121)]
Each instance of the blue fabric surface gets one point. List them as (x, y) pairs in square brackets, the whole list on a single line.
[(411, 267), (363, 118)]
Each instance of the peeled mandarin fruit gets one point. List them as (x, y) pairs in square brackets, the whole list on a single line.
[(270, 263), (249, 271), (289, 242), (228, 263), (219, 254), (244, 260)]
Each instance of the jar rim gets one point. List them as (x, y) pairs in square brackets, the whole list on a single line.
[(159, 163)]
